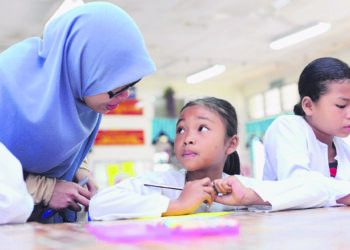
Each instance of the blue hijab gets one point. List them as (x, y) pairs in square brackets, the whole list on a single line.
[(44, 121)]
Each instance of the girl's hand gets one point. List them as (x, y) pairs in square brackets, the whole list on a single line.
[(91, 184), (234, 193), (224, 186), (193, 194), (69, 195), (344, 200)]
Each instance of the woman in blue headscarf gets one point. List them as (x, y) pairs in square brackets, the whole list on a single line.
[(53, 92)]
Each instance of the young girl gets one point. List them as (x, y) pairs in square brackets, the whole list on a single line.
[(305, 151), (205, 144)]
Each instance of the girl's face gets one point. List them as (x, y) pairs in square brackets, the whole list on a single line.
[(330, 115), (200, 141), (102, 104)]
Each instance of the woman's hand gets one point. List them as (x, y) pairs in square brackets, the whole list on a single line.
[(69, 195), (91, 184), (193, 194), (234, 193)]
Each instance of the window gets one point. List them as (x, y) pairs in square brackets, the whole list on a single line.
[(272, 101), (256, 106), (290, 96)]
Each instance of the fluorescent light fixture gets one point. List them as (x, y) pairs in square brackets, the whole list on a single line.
[(214, 70), (300, 36)]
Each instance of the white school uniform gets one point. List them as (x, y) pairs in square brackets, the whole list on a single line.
[(131, 199), (299, 162), (16, 204)]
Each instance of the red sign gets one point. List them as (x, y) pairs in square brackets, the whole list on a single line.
[(128, 107), (119, 137)]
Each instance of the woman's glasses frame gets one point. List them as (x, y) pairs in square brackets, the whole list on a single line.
[(112, 94)]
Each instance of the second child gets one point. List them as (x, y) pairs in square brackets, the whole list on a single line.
[(307, 161), (205, 145)]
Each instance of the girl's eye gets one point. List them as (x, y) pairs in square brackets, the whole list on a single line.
[(179, 130), (340, 106), (203, 128)]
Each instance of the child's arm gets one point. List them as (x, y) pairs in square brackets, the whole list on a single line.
[(128, 199), (313, 190), (132, 199), (16, 204), (193, 194), (234, 193)]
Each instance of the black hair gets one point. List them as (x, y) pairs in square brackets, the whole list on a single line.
[(228, 115), (314, 79)]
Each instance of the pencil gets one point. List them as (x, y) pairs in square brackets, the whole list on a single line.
[(162, 186)]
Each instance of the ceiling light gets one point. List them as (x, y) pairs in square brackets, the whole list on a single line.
[(300, 36), (206, 74)]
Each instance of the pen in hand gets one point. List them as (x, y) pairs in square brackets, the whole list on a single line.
[(51, 212)]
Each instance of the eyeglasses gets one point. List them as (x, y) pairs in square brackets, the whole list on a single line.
[(112, 94)]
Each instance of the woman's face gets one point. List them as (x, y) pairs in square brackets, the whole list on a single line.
[(330, 115), (102, 103)]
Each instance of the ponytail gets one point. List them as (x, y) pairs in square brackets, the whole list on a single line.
[(232, 165), (298, 110)]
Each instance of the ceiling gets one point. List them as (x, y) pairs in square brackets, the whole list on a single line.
[(184, 37)]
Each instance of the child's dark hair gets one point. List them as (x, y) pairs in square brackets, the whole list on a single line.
[(228, 115), (314, 79)]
